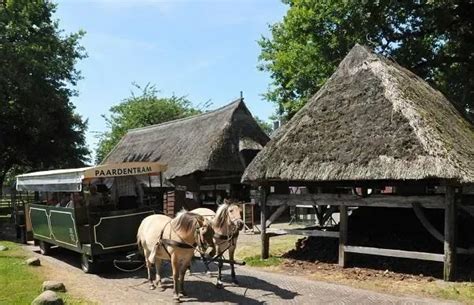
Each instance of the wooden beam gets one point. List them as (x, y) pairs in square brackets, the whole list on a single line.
[(263, 220), (449, 234), (343, 224), (276, 214), (388, 201), (426, 223), (321, 233), (468, 209), (434, 232), (395, 253)]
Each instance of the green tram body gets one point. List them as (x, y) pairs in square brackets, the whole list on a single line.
[(90, 233), (98, 233)]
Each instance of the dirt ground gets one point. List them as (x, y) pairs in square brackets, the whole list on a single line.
[(303, 280), (316, 258), (255, 286)]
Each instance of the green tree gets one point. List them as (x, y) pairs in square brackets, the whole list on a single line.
[(140, 111), (38, 126), (433, 38), (266, 127)]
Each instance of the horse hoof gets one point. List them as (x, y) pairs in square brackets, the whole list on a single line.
[(176, 298), (219, 286), (183, 294), (152, 287)]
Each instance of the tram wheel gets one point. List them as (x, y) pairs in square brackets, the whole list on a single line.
[(45, 248), (87, 265)]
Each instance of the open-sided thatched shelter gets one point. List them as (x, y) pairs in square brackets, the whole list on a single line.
[(373, 124), (372, 120), (206, 154)]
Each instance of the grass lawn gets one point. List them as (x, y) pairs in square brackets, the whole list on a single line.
[(19, 283), (248, 248)]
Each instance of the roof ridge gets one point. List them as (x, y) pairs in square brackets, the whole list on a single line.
[(234, 104)]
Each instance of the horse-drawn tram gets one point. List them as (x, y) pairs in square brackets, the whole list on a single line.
[(94, 211)]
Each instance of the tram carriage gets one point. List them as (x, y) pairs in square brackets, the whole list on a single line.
[(99, 220)]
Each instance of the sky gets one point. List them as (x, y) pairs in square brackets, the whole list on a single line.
[(204, 49)]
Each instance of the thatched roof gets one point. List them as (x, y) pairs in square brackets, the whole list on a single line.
[(212, 141), (372, 120)]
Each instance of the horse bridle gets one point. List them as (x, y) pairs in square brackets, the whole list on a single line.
[(181, 244), (228, 238)]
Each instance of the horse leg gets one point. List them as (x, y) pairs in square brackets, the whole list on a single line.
[(212, 253), (175, 267), (219, 273), (231, 258), (182, 272), (206, 264), (148, 269), (158, 274), (188, 268)]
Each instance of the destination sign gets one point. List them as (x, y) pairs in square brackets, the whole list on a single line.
[(125, 169)]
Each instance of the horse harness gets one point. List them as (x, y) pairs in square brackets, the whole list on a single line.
[(174, 243), (227, 238)]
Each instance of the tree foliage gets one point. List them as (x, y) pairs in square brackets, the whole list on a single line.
[(140, 111), (266, 126), (38, 126), (433, 38)]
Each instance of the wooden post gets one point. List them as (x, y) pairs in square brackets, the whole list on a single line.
[(449, 234), (263, 221), (343, 219)]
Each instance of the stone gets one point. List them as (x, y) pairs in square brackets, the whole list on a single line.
[(3, 248), (48, 297), (33, 261), (54, 286)]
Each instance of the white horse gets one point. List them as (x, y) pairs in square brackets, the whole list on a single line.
[(163, 238), (226, 223)]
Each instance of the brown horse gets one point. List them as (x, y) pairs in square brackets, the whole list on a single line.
[(163, 238), (208, 215), (226, 223)]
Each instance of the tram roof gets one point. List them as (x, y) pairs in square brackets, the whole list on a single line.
[(70, 180)]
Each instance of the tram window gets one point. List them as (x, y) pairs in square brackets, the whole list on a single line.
[(102, 188)]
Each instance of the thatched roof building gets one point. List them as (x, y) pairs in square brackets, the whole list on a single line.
[(372, 120), (216, 143)]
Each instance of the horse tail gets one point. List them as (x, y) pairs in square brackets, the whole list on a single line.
[(151, 257), (139, 245), (139, 239)]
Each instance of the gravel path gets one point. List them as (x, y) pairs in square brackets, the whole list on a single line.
[(255, 287)]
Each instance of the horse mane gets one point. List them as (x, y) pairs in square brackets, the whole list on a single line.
[(222, 216), (186, 221)]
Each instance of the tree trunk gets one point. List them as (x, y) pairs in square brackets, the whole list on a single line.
[(3, 173), (2, 178)]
